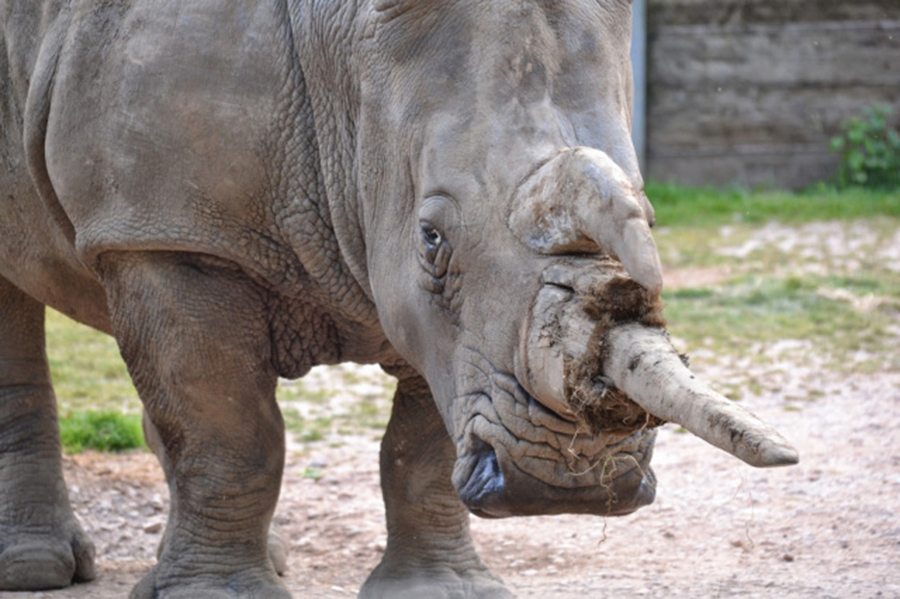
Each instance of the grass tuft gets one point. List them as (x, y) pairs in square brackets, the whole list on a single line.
[(100, 431), (88, 372), (829, 311), (677, 205)]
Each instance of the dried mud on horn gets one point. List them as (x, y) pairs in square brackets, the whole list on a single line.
[(597, 301), (598, 338)]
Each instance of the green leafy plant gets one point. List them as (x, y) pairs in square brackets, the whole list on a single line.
[(102, 431), (869, 149)]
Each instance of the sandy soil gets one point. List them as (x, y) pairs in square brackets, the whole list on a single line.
[(826, 528)]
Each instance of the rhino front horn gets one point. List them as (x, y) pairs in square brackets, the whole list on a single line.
[(642, 363)]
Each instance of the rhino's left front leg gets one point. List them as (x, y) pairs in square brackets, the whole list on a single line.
[(429, 551), (194, 333)]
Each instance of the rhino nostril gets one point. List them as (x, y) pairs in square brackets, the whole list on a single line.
[(486, 478)]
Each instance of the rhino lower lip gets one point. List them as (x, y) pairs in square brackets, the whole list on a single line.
[(486, 495), (511, 446), (485, 479)]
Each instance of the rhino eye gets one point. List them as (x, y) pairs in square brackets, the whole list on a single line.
[(431, 237), (434, 251)]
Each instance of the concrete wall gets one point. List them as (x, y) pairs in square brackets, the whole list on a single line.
[(751, 91)]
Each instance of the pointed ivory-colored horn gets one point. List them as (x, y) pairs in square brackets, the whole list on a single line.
[(580, 201), (642, 363)]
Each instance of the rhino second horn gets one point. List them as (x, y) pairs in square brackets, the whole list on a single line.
[(540, 362), (643, 364)]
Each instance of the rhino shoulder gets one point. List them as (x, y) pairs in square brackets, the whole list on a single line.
[(166, 130)]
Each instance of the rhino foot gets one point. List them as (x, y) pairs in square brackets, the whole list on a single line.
[(40, 561), (248, 584), (277, 546), (475, 584)]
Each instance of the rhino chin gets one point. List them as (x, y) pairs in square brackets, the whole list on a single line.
[(538, 470), (494, 487)]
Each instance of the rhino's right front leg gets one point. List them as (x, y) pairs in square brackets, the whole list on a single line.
[(194, 334)]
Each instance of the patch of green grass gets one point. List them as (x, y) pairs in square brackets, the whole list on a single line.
[(88, 372), (748, 310), (297, 391), (305, 430), (371, 411), (93, 388), (101, 431), (349, 416), (703, 206), (761, 249), (694, 247), (864, 284), (313, 473)]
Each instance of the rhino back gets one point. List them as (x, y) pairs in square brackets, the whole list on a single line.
[(186, 126), (164, 131)]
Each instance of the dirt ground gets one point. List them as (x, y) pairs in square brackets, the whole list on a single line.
[(829, 527), (826, 528)]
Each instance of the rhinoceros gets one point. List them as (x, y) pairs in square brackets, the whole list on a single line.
[(238, 191)]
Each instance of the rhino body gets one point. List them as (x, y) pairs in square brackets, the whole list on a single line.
[(238, 191)]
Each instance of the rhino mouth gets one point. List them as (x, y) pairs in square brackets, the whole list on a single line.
[(516, 457)]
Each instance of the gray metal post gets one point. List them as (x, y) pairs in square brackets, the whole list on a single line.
[(639, 69)]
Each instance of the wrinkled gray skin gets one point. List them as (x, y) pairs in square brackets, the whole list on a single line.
[(239, 191)]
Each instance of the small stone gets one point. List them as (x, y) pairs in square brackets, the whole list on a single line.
[(153, 527), (787, 557)]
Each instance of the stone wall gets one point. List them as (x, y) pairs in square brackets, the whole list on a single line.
[(751, 91)]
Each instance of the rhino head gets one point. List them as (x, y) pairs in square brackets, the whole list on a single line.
[(510, 254)]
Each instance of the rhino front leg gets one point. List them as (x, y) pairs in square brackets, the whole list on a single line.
[(278, 546), (429, 551), (42, 545), (194, 333)]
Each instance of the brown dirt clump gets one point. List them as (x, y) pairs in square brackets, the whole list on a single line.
[(591, 396)]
